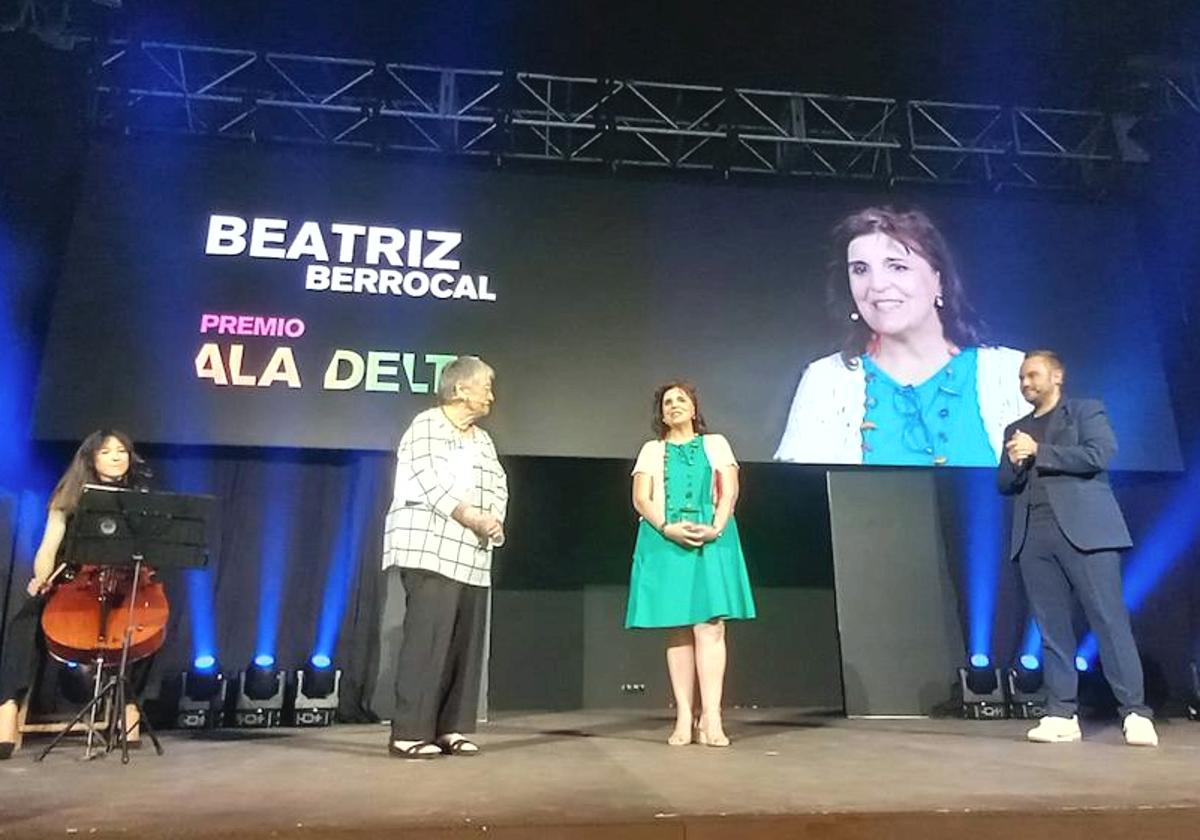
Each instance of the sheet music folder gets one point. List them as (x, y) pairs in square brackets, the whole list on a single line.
[(118, 526)]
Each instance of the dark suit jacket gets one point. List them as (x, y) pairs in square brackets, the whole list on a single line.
[(1072, 462)]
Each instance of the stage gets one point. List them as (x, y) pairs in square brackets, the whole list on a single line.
[(600, 774)]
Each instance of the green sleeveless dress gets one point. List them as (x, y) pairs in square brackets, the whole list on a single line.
[(674, 586)]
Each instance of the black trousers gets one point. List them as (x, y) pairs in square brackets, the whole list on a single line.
[(1052, 569), (441, 656), (23, 648)]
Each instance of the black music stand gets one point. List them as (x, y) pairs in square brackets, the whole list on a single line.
[(116, 528)]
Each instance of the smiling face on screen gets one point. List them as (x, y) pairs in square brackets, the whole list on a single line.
[(893, 287)]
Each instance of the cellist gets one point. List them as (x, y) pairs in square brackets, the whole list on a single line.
[(105, 457)]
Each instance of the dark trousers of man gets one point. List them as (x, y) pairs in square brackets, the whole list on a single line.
[(441, 656), (1051, 569)]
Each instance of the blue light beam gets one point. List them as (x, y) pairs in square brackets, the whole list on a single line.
[(979, 519), (1172, 535), (344, 563), (276, 532)]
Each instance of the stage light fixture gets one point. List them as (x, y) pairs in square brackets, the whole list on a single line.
[(1023, 682), (202, 693), (260, 689), (1193, 703), (316, 689), (982, 690)]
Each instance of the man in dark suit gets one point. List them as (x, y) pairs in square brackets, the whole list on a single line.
[(1067, 532)]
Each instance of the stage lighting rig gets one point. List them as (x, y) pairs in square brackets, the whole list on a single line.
[(202, 694), (1023, 681), (316, 688), (259, 700), (982, 690)]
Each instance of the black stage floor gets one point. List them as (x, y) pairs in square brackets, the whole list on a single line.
[(600, 774)]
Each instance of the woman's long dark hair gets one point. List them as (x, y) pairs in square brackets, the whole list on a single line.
[(82, 470), (917, 232), (656, 420)]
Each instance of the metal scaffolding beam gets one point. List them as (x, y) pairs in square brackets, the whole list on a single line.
[(144, 87)]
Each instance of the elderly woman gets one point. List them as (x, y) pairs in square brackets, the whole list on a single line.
[(447, 515), (688, 575), (912, 384)]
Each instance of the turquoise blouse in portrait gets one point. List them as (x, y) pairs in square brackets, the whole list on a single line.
[(933, 423)]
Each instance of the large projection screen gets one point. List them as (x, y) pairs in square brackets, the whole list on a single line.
[(236, 295)]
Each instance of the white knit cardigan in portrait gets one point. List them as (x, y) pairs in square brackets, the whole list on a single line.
[(825, 423)]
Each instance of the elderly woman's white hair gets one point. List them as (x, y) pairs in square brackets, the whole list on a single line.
[(463, 369)]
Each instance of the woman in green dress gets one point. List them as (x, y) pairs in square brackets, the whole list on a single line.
[(689, 574)]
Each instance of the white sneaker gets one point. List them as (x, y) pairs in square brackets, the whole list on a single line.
[(1056, 730), (1139, 731)]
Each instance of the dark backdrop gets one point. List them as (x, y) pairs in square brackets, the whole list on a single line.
[(297, 507)]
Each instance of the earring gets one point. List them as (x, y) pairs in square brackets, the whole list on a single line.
[(854, 316), (939, 302)]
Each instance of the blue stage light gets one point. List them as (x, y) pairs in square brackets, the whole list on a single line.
[(1032, 644), (980, 521), (281, 477), (1026, 699), (1168, 540), (193, 474), (1081, 663), (316, 696), (339, 580), (260, 690), (18, 373), (202, 695), (982, 690), (201, 613)]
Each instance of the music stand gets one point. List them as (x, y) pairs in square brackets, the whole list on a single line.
[(115, 527)]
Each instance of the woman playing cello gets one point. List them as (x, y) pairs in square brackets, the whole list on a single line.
[(104, 457)]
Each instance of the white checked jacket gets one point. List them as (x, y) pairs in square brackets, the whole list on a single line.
[(419, 532)]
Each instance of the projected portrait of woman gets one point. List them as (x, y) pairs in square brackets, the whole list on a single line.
[(912, 384), (689, 575)]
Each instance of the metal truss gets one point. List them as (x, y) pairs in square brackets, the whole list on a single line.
[(1158, 86), (160, 87)]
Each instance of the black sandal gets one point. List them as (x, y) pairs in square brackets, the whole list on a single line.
[(414, 750), (459, 746)]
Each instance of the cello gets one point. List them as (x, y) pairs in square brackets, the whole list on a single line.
[(113, 615), (114, 610), (86, 616)]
